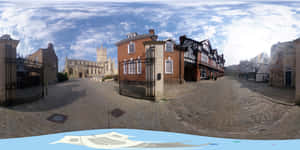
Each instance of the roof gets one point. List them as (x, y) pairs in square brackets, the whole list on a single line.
[(199, 42), (84, 60), (154, 42), (177, 47), (137, 37), (180, 47), (5, 37)]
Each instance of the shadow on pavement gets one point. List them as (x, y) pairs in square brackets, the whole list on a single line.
[(281, 94), (59, 95)]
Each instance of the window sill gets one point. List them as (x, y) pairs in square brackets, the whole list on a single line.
[(168, 72)]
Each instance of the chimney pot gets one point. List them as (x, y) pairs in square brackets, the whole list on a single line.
[(151, 31)]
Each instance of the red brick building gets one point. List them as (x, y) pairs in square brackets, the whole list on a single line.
[(132, 57), (146, 64)]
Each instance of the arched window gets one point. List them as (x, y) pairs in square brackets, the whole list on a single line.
[(70, 71)]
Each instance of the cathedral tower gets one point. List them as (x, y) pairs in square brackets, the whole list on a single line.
[(101, 54)]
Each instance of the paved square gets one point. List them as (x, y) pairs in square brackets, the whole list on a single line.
[(223, 108)]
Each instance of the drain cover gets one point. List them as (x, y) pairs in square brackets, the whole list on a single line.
[(58, 118), (117, 112)]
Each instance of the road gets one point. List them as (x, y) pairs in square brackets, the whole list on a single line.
[(222, 108), (227, 108), (87, 105)]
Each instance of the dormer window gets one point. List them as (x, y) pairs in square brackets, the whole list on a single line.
[(131, 47), (131, 35), (169, 46)]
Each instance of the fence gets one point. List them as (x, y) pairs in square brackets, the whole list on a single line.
[(23, 80), (137, 77)]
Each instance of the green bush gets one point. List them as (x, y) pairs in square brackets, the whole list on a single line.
[(61, 77), (115, 77)]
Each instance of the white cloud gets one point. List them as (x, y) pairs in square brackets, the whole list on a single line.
[(189, 23), (197, 3), (249, 36), (126, 25), (235, 12), (87, 42), (209, 31), (166, 34), (160, 15), (247, 31), (216, 19), (19, 23)]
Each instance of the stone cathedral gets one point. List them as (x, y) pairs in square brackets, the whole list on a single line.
[(76, 68)]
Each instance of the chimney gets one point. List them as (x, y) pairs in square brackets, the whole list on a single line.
[(151, 31), (181, 39), (50, 46)]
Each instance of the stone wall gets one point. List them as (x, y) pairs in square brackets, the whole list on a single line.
[(283, 60), (7, 70), (297, 47), (49, 60), (2, 71)]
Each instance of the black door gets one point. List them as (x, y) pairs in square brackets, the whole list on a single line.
[(288, 78)]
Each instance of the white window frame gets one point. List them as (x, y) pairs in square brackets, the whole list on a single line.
[(138, 66), (125, 67), (131, 66), (169, 60), (36, 59), (133, 51), (204, 58), (172, 46)]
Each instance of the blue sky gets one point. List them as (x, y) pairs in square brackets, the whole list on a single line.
[(239, 29)]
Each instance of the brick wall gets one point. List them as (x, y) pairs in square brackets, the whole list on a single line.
[(178, 66), (139, 52)]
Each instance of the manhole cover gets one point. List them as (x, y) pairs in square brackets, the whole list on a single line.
[(58, 118), (117, 112)]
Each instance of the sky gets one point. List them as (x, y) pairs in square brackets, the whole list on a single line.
[(238, 29)]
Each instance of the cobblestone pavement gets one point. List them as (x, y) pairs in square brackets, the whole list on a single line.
[(222, 108), (87, 105), (228, 108)]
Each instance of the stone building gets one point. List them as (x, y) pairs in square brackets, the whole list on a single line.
[(256, 69), (7, 70), (283, 65), (297, 85), (47, 57), (261, 64), (76, 68)]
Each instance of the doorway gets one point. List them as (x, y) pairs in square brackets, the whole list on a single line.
[(288, 79)]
